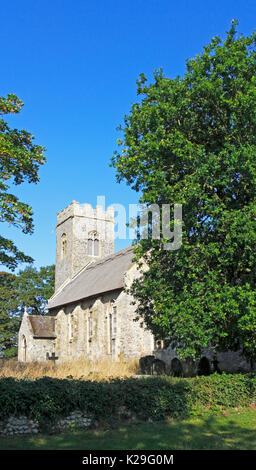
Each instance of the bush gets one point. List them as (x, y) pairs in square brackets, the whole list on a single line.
[(48, 399)]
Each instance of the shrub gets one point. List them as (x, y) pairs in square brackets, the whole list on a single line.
[(49, 399)]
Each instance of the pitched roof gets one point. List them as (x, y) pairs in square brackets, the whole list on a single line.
[(102, 276), (42, 326)]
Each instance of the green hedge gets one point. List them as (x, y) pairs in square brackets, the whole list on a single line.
[(47, 399)]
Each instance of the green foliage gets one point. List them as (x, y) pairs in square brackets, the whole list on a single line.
[(9, 316), (223, 391), (192, 141), (34, 287), (157, 398), (31, 288), (20, 160), (233, 430)]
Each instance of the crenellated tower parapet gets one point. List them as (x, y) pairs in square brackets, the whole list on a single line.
[(83, 235)]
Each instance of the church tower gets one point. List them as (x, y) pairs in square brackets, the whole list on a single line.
[(83, 235)]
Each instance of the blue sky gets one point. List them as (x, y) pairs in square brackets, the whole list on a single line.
[(75, 64)]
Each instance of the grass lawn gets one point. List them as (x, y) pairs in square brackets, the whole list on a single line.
[(232, 430)]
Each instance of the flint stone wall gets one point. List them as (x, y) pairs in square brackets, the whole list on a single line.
[(129, 340), (23, 425)]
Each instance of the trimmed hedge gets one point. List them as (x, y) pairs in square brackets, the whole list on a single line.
[(46, 400)]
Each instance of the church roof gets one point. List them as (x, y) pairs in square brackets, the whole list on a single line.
[(102, 276), (42, 326)]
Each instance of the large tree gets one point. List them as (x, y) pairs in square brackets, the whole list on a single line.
[(9, 316), (192, 141), (20, 160), (33, 288), (30, 288)]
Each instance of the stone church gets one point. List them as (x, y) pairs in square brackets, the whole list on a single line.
[(90, 316)]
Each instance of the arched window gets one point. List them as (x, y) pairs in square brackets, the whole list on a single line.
[(24, 349), (90, 323), (89, 329), (96, 247), (93, 244), (90, 247), (112, 328), (63, 246), (71, 326)]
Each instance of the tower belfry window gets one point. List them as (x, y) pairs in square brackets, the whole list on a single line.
[(90, 247), (93, 244), (96, 247)]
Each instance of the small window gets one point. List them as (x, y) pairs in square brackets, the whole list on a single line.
[(63, 246), (90, 324), (90, 247), (71, 327), (93, 244), (24, 349), (114, 320), (89, 330), (112, 329), (96, 247)]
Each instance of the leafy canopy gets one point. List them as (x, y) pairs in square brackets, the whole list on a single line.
[(9, 316), (30, 288), (192, 141), (34, 287), (20, 160)]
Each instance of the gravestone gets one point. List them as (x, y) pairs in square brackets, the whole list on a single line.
[(204, 367), (176, 368), (52, 357)]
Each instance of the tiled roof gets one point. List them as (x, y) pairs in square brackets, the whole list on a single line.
[(42, 326), (105, 275)]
